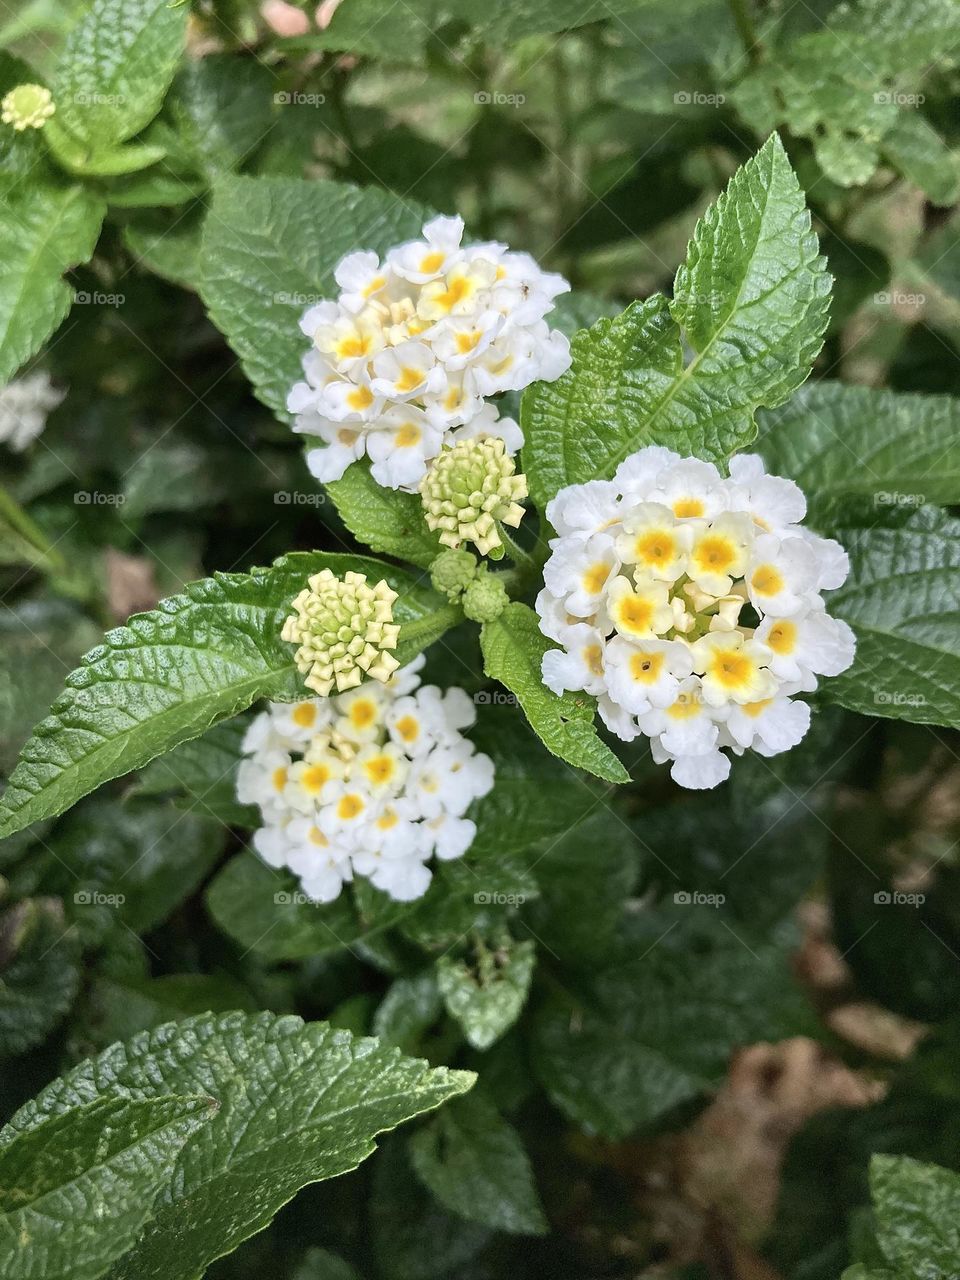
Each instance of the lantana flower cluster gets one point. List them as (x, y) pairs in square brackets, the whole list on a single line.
[(374, 782), (690, 605), (405, 359)]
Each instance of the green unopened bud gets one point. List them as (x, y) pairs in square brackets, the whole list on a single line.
[(452, 572), (343, 628), (485, 598), (28, 106), (470, 486)]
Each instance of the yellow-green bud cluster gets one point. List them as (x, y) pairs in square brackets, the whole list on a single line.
[(28, 106), (468, 489), (343, 628)]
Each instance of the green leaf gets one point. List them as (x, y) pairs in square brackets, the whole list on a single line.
[(917, 1210), (44, 230), (136, 860), (201, 775), (265, 911), (172, 673), (76, 1190), (536, 795), (917, 151), (118, 1007), (320, 1264), (298, 1103), (115, 68), (474, 1163), (264, 261), (656, 1027), (840, 442), (221, 109), (39, 973), (851, 85), (387, 520), (77, 158), (901, 601), (513, 648), (487, 995), (410, 1007), (751, 301)]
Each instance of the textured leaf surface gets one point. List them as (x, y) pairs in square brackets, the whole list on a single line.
[(76, 1189), (917, 1209), (751, 300), (474, 1163), (385, 519), (270, 246), (170, 674), (39, 973), (513, 647), (841, 441), (486, 1000), (43, 231), (115, 68), (298, 1103), (903, 601)]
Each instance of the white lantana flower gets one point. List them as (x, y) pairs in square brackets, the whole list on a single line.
[(373, 782), (404, 359), (24, 406), (689, 605)]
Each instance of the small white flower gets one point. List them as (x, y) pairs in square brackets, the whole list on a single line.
[(24, 406), (689, 605), (419, 340), (370, 782)]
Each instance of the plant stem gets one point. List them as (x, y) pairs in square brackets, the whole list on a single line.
[(747, 31), (43, 554)]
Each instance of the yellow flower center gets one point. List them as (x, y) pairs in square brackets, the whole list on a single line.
[(467, 341), (715, 553), (408, 728), (753, 709), (633, 613), (353, 348), (688, 508), (388, 820), (431, 262), (363, 713), (408, 435), (783, 637), (360, 399), (593, 659), (279, 778), (594, 578), (350, 806), (685, 708), (731, 669), (380, 769), (645, 668), (316, 836), (409, 379), (315, 777), (657, 548), (304, 714), (767, 580)]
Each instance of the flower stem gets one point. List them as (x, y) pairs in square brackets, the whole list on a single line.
[(746, 29)]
